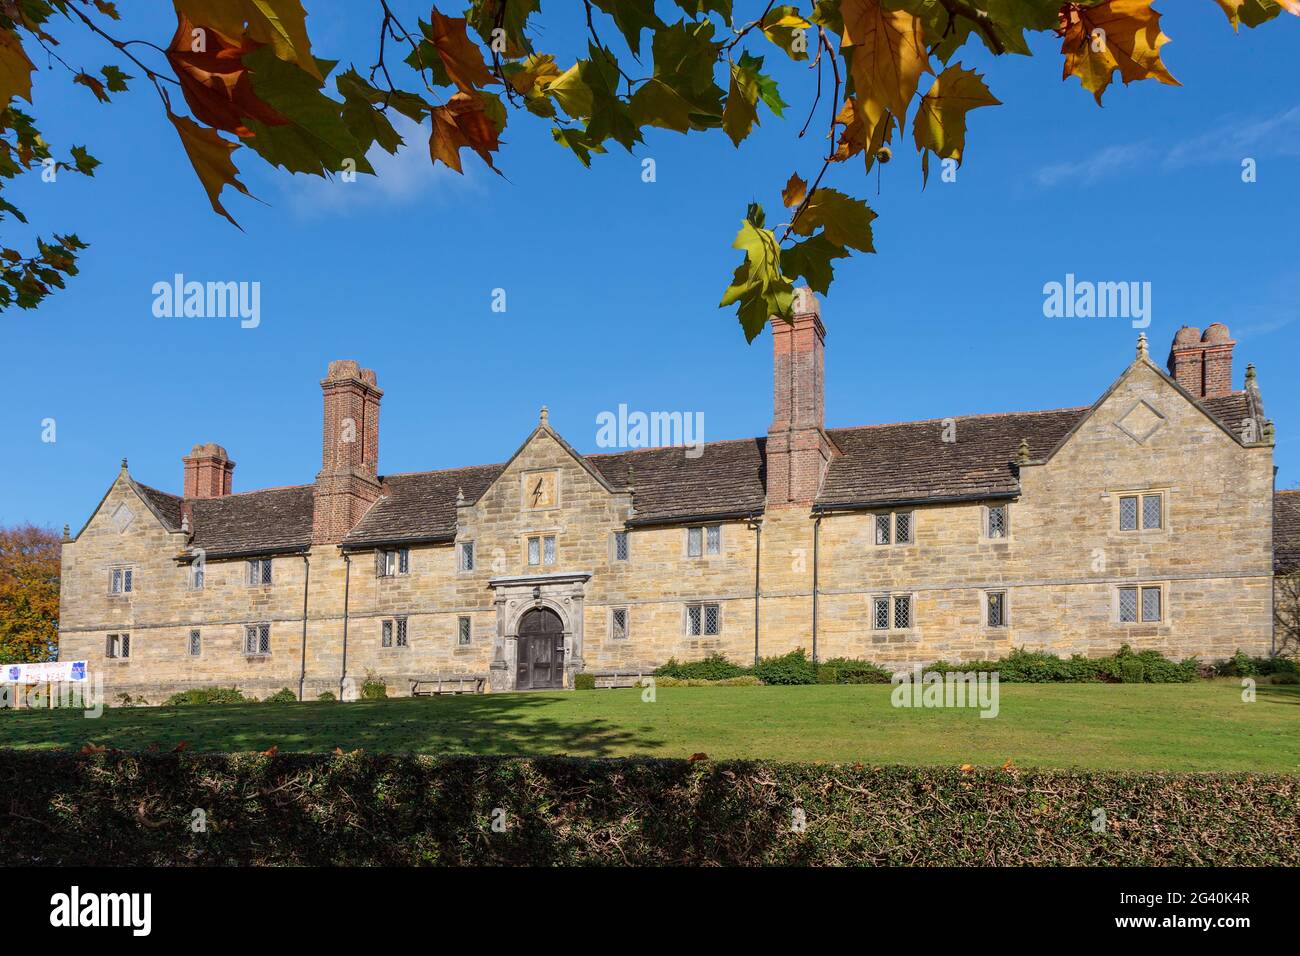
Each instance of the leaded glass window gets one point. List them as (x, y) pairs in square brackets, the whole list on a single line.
[(1128, 604), (257, 639), (880, 613), (997, 521), (712, 619), (534, 551), (997, 609), (1151, 605), (620, 545), (463, 631), (694, 542), (548, 549), (882, 529), (1128, 513), (618, 623), (1152, 512), (903, 527), (694, 619), (713, 539), (196, 645), (902, 611)]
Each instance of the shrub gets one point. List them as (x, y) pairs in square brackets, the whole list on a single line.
[(1036, 667), (846, 670), (205, 695), (326, 695), (374, 688), (1242, 664), (792, 668), (744, 680), (713, 667), (584, 681), (282, 696)]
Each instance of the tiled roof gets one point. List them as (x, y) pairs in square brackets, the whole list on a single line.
[(275, 520), (421, 506), (728, 478), (167, 506), (908, 461), (1286, 531)]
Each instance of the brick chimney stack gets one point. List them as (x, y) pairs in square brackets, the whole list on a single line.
[(348, 482), (797, 447), (209, 472), (1202, 364)]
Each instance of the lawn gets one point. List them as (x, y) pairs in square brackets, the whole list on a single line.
[(1201, 726)]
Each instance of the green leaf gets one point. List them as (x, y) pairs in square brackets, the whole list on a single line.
[(748, 86), (611, 117), (758, 288), (115, 79), (83, 162), (702, 8), (631, 17), (811, 259), (511, 16), (364, 119), (578, 141), (785, 27), (682, 94), (845, 221)]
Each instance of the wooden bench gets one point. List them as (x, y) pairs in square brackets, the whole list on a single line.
[(626, 678), (448, 684)]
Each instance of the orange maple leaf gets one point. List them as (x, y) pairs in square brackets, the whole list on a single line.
[(216, 84), (274, 749), (1121, 35), (460, 123)]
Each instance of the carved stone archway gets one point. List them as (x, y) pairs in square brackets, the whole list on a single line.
[(561, 593)]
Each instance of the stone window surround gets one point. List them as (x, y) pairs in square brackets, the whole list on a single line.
[(613, 546), (392, 562), (1166, 492), (262, 573), (464, 633), (703, 606), (892, 515), (463, 566), (113, 645), (627, 623), (194, 643), (541, 535), (1008, 531), (243, 640), (890, 596), (1006, 608), (125, 591), (394, 631), (705, 553), (1163, 587)]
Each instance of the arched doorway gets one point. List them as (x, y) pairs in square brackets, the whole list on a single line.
[(540, 650)]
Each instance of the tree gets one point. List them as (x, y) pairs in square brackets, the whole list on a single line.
[(29, 594), (1286, 612), (248, 69)]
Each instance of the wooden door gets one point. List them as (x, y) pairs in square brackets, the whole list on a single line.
[(541, 651)]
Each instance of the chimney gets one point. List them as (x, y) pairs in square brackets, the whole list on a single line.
[(209, 472), (1202, 364), (347, 484), (797, 447)]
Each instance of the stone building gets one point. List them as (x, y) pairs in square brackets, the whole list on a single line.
[(1144, 518)]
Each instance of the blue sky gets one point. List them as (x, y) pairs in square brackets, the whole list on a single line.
[(612, 283)]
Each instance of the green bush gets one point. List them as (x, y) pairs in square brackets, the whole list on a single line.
[(792, 668), (371, 809), (373, 688), (326, 695), (713, 667), (1036, 667), (847, 670), (744, 680), (584, 681), (282, 696), (1242, 664), (205, 695)]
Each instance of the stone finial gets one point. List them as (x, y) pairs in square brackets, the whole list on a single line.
[(1250, 375), (1022, 455), (544, 416), (631, 477), (460, 497), (67, 533), (1142, 351), (124, 464), (1270, 432), (185, 524)]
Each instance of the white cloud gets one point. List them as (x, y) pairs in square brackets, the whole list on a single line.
[(399, 180), (1110, 160)]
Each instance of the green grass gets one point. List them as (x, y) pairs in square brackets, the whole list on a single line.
[(1201, 726)]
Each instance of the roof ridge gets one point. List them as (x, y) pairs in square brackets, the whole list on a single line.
[(931, 421), (254, 491), (438, 471), (635, 451)]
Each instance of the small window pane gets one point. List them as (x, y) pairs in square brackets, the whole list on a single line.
[(711, 619), (903, 611), (264, 638), (882, 529), (693, 541), (386, 634), (997, 609), (125, 645), (880, 614), (1128, 604), (463, 634), (110, 645), (116, 577), (534, 551), (196, 576), (1150, 604), (403, 561), (997, 521), (126, 580), (693, 619), (401, 632), (1128, 514), (195, 644), (903, 527), (266, 571), (467, 556), (1152, 511), (618, 623), (548, 549), (620, 545), (714, 539)]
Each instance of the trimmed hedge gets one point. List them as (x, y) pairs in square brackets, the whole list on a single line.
[(119, 808), (713, 667), (1124, 667), (206, 695)]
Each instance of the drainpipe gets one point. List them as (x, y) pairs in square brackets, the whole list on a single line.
[(757, 524), (306, 580), (817, 525), (347, 583)]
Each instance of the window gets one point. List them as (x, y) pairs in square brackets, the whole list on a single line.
[(903, 528), (618, 623), (694, 542), (620, 545), (541, 550), (463, 631), (703, 619), (899, 606), (259, 572), (392, 632), (1140, 604), (997, 609), (713, 539), (996, 525), (1150, 509), (121, 580), (392, 561), (901, 525), (195, 643), (257, 639), (197, 570), (118, 646), (465, 557)]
